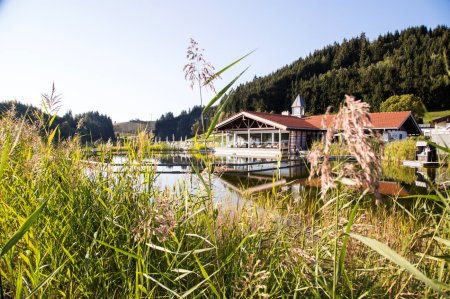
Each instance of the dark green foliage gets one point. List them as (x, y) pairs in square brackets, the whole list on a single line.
[(91, 126), (410, 62), (95, 126), (185, 124), (405, 102)]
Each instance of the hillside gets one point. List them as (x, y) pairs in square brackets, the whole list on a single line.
[(89, 126), (413, 61), (133, 127), (186, 124)]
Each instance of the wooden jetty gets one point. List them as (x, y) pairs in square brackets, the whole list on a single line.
[(219, 166), (422, 164)]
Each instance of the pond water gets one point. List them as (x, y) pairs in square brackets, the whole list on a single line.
[(245, 177)]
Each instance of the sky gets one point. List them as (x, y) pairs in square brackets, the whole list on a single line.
[(125, 59)]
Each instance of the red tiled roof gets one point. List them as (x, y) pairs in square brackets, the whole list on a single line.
[(290, 122), (380, 120), (389, 119)]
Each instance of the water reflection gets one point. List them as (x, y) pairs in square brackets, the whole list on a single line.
[(246, 176)]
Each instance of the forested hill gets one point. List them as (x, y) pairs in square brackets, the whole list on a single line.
[(413, 61), (90, 126)]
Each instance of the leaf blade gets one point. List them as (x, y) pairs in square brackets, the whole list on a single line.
[(227, 67), (394, 257), (23, 228), (129, 254), (219, 95)]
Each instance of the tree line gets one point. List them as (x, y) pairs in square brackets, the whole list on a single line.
[(90, 126), (413, 61), (187, 123)]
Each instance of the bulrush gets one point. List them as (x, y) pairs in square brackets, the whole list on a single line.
[(353, 124)]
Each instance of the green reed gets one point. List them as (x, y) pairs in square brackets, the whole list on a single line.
[(105, 232), (109, 234)]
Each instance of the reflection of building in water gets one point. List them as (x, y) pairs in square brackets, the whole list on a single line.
[(293, 177), (296, 171), (386, 188), (265, 178), (425, 152), (249, 183), (263, 166)]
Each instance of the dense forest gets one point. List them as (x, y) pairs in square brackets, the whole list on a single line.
[(413, 61), (90, 126), (185, 124)]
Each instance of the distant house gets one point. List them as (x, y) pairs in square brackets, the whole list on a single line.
[(439, 131), (442, 123), (266, 134)]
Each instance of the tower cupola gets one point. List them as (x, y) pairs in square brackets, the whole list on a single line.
[(298, 107)]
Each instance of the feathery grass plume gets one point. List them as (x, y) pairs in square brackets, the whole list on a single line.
[(253, 283), (157, 219), (80, 123), (198, 70), (51, 102), (353, 124)]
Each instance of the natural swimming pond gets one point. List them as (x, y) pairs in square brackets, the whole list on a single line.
[(244, 177)]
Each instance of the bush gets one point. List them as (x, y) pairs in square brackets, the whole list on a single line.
[(400, 150)]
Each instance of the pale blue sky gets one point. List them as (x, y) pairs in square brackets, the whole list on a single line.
[(125, 58)]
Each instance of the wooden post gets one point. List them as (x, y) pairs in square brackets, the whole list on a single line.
[(248, 138), (279, 139)]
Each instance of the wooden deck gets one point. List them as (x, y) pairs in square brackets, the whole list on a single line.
[(249, 152), (420, 164)]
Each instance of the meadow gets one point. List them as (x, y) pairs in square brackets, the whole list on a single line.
[(430, 115)]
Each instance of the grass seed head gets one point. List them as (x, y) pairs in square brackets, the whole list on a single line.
[(353, 124)]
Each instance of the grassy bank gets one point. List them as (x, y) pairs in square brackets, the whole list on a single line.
[(106, 235)]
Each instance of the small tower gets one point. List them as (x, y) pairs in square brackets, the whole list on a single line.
[(298, 107)]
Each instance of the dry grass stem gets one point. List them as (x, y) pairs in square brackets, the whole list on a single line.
[(353, 125)]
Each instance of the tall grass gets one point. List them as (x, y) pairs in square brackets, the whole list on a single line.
[(105, 234)]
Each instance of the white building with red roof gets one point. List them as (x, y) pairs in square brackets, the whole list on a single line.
[(275, 134)]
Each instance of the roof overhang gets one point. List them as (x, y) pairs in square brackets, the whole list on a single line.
[(243, 115), (412, 127), (410, 116)]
